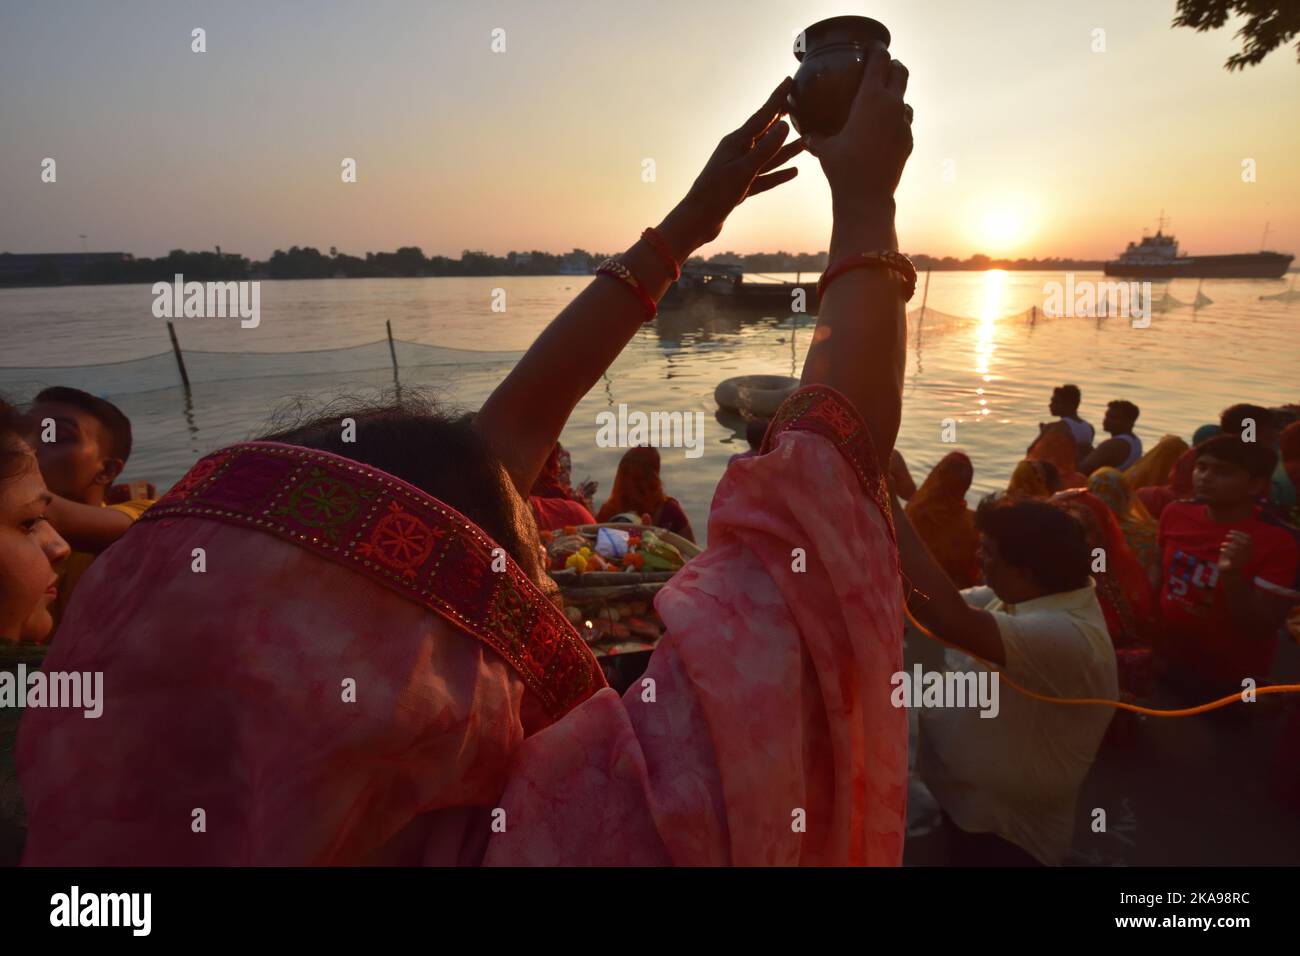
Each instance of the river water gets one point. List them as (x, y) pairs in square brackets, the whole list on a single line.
[(976, 357)]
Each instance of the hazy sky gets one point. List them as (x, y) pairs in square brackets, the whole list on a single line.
[(1056, 150)]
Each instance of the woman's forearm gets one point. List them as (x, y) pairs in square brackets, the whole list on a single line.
[(859, 346), (87, 527), (523, 417), (937, 603)]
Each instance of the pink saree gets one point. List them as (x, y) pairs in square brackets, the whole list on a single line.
[(350, 682)]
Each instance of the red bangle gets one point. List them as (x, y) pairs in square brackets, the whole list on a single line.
[(895, 262), (617, 270), (656, 241)]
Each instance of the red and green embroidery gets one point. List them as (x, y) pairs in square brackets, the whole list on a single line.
[(323, 501), (395, 534)]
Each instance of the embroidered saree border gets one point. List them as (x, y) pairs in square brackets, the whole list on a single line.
[(404, 539), (824, 411)]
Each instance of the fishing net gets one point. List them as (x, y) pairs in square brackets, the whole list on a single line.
[(1290, 295), (161, 371)]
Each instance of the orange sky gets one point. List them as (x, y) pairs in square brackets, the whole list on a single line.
[(1055, 149)]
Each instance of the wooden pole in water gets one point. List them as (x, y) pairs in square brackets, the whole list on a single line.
[(920, 320), (392, 351), (180, 362)]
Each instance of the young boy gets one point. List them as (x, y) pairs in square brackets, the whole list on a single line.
[(82, 444), (1228, 573), (1065, 405), (1123, 448)]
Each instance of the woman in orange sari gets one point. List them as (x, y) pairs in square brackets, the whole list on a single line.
[(939, 514), (1056, 445), (638, 490), (374, 669)]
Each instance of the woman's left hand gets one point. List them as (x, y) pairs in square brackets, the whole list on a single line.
[(745, 163)]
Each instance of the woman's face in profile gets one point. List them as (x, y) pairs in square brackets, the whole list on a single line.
[(29, 547)]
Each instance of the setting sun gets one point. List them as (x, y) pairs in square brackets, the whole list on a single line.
[(1000, 226)]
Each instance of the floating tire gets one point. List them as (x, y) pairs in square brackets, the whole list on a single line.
[(754, 396)]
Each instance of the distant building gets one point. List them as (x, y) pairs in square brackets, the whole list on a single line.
[(575, 264), (50, 267)]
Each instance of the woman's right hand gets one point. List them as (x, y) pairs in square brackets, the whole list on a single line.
[(864, 161)]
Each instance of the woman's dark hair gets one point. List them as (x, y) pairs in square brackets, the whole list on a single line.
[(1039, 538), (14, 453), (1255, 459), (412, 438)]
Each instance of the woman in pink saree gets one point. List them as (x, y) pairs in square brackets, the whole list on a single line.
[(318, 659)]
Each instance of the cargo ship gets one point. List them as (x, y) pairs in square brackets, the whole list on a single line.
[(1156, 257)]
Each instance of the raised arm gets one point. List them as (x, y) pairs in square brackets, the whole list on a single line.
[(859, 346), (524, 415)]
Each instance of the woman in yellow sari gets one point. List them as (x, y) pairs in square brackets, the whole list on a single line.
[(1153, 467), (1135, 521), (1033, 479)]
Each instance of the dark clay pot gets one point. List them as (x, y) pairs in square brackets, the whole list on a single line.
[(830, 71)]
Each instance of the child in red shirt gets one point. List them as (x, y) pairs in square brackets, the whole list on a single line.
[(1228, 573)]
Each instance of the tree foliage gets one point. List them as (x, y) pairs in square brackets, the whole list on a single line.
[(1269, 24)]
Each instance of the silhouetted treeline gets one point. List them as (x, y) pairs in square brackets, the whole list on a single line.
[(307, 262), (104, 268), (816, 262), (978, 262)]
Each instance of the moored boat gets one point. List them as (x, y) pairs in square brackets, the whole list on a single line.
[(1157, 257)]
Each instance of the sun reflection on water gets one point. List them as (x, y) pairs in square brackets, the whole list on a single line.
[(985, 334)]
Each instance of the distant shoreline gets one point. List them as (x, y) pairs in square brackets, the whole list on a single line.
[(1084, 267), (54, 270)]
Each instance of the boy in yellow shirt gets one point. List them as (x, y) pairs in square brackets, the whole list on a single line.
[(82, 443)]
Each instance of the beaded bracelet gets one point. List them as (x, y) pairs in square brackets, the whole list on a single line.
[(615, 269), (895, 262), (657, 243)]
